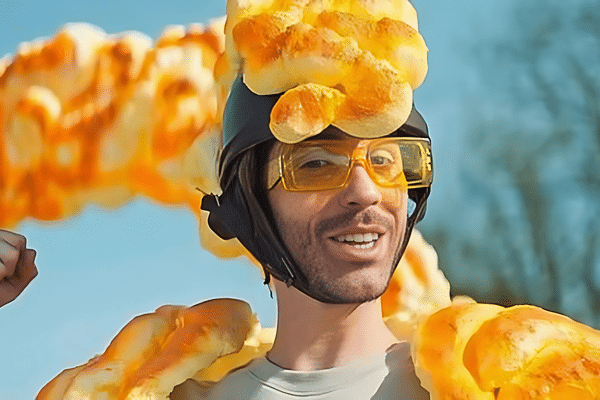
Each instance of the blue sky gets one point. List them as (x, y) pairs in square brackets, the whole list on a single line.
[(101, 268)]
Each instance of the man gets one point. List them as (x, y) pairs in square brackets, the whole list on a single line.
[(17, 266), (328, 219)]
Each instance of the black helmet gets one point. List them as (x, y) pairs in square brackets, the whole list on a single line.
[(238, 213)]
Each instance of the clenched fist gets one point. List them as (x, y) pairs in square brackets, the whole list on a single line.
[(17, 267)]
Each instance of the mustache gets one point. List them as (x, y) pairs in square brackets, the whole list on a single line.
[(364, 217)]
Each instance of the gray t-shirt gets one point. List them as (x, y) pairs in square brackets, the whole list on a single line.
[(388, 375)]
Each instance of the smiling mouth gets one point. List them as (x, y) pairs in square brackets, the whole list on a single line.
[(358, 240)]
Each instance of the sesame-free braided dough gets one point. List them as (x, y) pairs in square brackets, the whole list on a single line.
[(349, 64)]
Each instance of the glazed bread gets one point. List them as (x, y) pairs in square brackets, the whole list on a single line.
[(350, 64), (155, 352), (482, 351)]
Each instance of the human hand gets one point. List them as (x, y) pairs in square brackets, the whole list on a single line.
[(17, 267)]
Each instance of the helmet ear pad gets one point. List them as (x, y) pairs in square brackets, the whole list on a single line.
[(222, 218), (242, 211), (230, 214)]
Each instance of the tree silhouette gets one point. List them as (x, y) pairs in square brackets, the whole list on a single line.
[(527, 227)]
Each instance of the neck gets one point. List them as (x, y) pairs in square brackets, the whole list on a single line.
[(312, 335)]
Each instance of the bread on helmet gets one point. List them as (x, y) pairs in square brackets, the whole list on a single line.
[(349, 64)]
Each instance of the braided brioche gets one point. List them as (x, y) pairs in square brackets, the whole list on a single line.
[(351, 64), (155, 352), (482, 351)]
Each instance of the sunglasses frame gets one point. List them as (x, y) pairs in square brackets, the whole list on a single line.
[(275, 167)]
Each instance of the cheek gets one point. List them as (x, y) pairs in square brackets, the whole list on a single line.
[(396, 201), (397, 206), (294, 206), (281, 204), (286, 208), (296, 213)]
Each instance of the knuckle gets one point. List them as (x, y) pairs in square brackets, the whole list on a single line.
[(21, 241), (14, 239), (9, 257), (30, 254)]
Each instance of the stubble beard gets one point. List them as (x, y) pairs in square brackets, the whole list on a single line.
[(356, 286)]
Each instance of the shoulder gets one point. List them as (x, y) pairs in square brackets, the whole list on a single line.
[(235, 383), (191, 389), (402, 377)]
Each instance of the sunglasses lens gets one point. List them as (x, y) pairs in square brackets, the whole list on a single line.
[(385, 162), (316, 167), (322, 165), (415, 160)]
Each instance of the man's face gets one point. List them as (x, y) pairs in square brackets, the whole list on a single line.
[(323, 229)]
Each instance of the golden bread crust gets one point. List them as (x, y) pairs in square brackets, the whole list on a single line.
[(355, 47), (155, 352), (481, 351)]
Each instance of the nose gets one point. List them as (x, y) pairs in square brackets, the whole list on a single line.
[(360, 190)]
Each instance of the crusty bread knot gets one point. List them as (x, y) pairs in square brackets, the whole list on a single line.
[(418, 288), (155, 352), (93, 118), (476, 351), (87, 117), (352, 64)]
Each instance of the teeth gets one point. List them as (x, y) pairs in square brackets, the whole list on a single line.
[(364, 246), (368, 238)]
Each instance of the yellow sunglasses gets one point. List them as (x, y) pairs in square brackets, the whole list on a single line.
[(314, 165)]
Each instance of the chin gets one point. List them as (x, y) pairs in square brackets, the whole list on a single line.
[(350, 290), (356, 299)]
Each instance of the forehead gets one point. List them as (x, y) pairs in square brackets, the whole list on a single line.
[(330, 133)]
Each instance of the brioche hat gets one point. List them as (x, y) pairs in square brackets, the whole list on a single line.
[(351, 64)]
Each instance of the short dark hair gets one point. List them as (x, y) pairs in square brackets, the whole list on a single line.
[(250, 170)]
